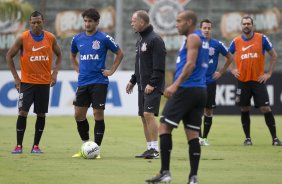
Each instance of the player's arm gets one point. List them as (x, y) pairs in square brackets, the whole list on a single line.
[(193, 44), (130, 85), (12, 52), (273, 59), (74, 61), (232, 69), (158, 58), (57, 50), (117, 61), (228, 61)]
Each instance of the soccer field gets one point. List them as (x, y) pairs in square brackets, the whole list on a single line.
[(225, 161)]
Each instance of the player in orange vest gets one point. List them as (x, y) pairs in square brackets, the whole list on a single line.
[(36, 48), (249, 49)]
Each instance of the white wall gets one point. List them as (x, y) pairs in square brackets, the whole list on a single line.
[(62, 94)]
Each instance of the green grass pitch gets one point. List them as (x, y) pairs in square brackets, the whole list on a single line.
[(225, 161)]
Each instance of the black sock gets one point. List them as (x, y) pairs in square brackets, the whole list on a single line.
[(246, 123), (39, 127), (194, 155), (270, 122), (99, 130), (83, 129), (200, 131), (21, 126), (165, 150), (207, 126)]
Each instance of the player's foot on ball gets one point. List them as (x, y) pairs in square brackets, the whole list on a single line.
[(98, 156), (77, 155)]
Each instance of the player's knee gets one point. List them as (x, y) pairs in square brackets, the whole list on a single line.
[(165, 128), (208, 112), (245, 108), (98, 114), (42, 115), (23, 113), (265, 109), (148, 115), (79, 116)]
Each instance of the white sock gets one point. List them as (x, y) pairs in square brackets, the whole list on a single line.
[(154, 145), (148, 145), (84, 141)]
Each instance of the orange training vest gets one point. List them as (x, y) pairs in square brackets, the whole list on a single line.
[(249, 57), (36, 59)]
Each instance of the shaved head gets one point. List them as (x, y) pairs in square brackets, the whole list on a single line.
[(189, 15)]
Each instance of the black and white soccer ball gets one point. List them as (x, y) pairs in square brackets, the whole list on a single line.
[(90, 150)]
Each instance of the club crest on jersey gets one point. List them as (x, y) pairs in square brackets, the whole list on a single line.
[(96, 45), (144, 47)]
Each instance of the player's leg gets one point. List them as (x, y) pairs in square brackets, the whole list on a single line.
[(81, 104), (208, 112), (41, 103), (151, 109), (172, 114), (243, 100), (147, 137), (98, 94), (192, 123), (261, 98), (164, 175), (82, 122), (24, 103), (145, 128)]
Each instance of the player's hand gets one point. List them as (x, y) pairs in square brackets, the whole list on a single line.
[(129, 88), (216, 75), (170, 90), (263, 78), (148, 89), (107, 73), (17, 84), (235, 72), (53, 78)]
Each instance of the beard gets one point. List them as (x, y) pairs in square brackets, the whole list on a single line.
[(247, 30)]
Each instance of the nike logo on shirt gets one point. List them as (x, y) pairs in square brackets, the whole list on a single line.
[(36, 49), (246, 48)]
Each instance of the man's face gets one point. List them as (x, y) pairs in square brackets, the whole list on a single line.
[(136, 23), (89, 24), (247, 26), (182, 25), (206, 29), (36, 25)]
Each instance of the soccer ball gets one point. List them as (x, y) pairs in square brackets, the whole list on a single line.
[(90, 150)]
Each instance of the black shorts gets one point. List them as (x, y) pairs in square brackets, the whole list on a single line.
[(94, 94), (211, 93), (149, 103), (246, 90), (36, 94), (187, 104)]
